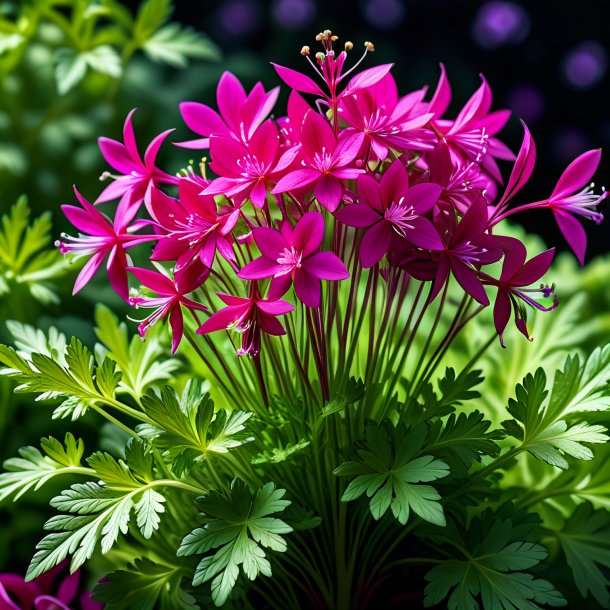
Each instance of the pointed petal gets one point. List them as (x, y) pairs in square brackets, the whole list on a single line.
[(534, 269), (157, 282), (357, 215), (88, 271), (308, 233), (469, 282), (203, 120), (279, 286), (424, 235), (177, 325), (270, 325), (366, 78), (222, 319), (573, 232), (501, 314), (375, 243), (275, 308), (326, 266), (369, 192), (298, 81), (117, 272), (296, 180), (259, 269), (118, 156), (442, 95), (307, 288), (423, 197), (524, 165), (230, 97), (153, 148), (316, 135), (394, 183), (130, 139), (328, 191), (578, 173), (270, 242)]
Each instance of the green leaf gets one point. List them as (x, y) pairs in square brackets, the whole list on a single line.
[(189, 425), (536, 422), (25, 257), (239, 525), (174, 45), (32, 469), (585, 540), (465, 437), (152, 14), (492, 570), (138, 361), (387, 473), (105, 60), (70, 69), (147, 586)]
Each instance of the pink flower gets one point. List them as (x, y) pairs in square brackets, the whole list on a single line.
[(390, 207), (292, 255), (248, 316), (246, 171), (41, 594), (194, 227), (467, 247), (328, 160), (516, 275), (386, 121), (470, 135), (100, 237), (240, 114), (171, 297), (566, 203), (139, 177)]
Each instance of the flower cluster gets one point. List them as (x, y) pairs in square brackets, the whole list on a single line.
[(355, 181)]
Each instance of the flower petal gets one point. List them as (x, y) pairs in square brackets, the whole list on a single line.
[(375, 243), (297, 81), (308, 233), (578, 173), (326, 266), (307, 288), (573, 232)]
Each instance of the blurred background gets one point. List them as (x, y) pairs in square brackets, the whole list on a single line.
[(70, 70)]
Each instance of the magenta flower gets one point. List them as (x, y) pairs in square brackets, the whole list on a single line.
[(248, 316), (99, 238), (247, 171), (470, 135), (467, 247), (172, 296), (194, 227), (566, 203), (330, 69), (328, 161), (42, 594), (512, 292), (139, 177), (240, 114), (292, 255), (390, 207), (386, 121)]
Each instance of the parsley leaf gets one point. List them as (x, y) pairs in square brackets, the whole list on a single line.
[(388, 472), (239, 526)]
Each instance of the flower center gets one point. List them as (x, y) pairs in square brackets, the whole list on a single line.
[(400, 215), (290, 259)]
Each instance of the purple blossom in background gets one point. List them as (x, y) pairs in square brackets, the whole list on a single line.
[(384, 14), (293, 14), (527, 102), (585, 65), (500, 23), (238, 17)]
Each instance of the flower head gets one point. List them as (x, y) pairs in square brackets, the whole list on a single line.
[(240, 113), (139, 176), (249, 316), (100, 238), (292, 255), (172, 297), (327, 161)]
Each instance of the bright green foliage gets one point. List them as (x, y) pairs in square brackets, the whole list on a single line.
[(139, 361), (537, 423), (96, 512), (388, 471), (466, 437), (33, 468), (239, 525), (77, 378), (585, 540), (145, 585), (491, 568), (25, 255), (187, 428)]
